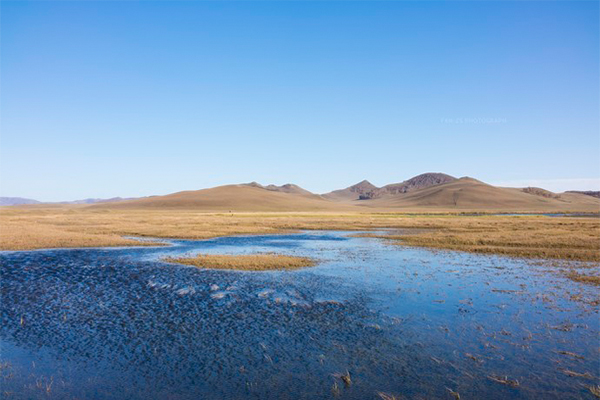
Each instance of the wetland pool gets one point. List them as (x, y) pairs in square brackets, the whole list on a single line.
[(402, 321)]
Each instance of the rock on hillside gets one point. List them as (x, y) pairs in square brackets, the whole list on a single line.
[(287, 188), (540, 192), (586, 192), (353, 192), (418, 182)]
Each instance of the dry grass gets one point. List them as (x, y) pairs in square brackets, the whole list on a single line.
[(585, 278), (522, 236), (533, 237), (595, 390), (252, 262), (504, 380)]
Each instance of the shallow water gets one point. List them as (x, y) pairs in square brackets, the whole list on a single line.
[(569, 215), (120, 324)]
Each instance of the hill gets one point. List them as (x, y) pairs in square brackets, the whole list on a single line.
[(244, 197), (287, 188), (470, 194), (366, 191), (351, 193), (587, 193), (426, 192), (540, 192), (418, 182), (16, 201)]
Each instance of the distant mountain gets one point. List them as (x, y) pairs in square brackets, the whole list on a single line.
[(93, 200), (16, 201), (587, 193), (353, 192)]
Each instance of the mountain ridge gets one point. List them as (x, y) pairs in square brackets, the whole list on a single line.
[(429, 191)]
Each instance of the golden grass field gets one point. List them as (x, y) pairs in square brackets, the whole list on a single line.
[(572, 238), (245, 262), (566, 238)]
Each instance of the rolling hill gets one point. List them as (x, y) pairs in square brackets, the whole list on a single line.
[(468, 194), (418, 182), (593, 193), (351, 193), (243, 197), (287, 188), (365, 190), (431, 192)]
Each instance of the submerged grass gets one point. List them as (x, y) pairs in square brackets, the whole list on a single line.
[(585, 278), (245, 262)]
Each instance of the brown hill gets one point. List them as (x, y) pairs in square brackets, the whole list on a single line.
[(287, 188), (418, 182), (366, 191), (470, 194), (580, 199), (540, 192), (592, 193), (351, 193), (244, 197), (464, 194)]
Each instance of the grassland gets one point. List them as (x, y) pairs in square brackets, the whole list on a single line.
[(532, 237), (522, 236), (245, 262)]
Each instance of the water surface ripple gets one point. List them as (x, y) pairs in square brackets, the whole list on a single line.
[(121, 324)]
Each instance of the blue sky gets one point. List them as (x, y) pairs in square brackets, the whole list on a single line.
[(103, 99)]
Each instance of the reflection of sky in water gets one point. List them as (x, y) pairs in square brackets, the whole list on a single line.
[(117, 323)]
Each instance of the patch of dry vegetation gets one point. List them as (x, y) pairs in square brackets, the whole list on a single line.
[(521, 236), (585, 278), (535, 237), (245, 262)]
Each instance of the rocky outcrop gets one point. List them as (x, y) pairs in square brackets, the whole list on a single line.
[(586, 192), (418, 182), (540, 192), (354, 192)]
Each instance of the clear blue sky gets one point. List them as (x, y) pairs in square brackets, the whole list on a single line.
[(102, 99)]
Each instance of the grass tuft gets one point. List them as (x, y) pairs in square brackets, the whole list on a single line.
[(585, 278), (252, 262)]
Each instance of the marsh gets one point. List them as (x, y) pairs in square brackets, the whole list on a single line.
[(120, 323)]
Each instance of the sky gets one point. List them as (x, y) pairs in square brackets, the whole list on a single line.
[(110, 98)]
